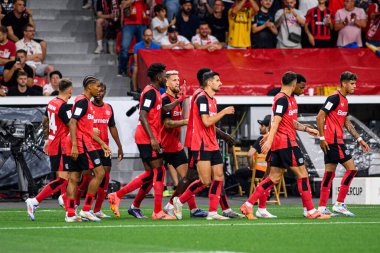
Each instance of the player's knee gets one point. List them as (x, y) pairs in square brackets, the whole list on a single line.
[(206, 181)]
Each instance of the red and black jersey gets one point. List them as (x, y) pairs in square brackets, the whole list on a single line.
[(286, 107), (189, 131), (170, 138), (295, 106), (336, 108), (59, 114), (315, 18), (150, 102), (83, 112), (204, 138), (103, 118)]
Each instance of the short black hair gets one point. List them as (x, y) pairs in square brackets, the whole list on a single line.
[(154, 70), (55, 72), (348, 76), (288, 77), (103, 85), (89, 80), (64, 84), (200, 75), (208, 75), (146, 29), (301, 78), (203, 23), (21, 51), (158, 8), (3, 30)]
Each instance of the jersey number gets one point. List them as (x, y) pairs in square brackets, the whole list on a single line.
[(52, 125)]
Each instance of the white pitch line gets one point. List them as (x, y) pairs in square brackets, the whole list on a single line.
[(193, 225)]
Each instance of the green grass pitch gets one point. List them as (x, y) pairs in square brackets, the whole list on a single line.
[(289, 233)]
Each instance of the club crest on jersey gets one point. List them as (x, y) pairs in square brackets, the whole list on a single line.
[(342, 104), (347, 152), (108, 112), (158, 107)]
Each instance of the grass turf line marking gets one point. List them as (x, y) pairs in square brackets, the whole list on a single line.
[(193, 225)]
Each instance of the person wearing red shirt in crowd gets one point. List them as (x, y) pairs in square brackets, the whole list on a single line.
[(134, 22), (7, 49), (148, 140), (205, 148), (373, 31), (285, 152), (103, 120), (83, 153), (55, 124), (331, 119), (319, 25)]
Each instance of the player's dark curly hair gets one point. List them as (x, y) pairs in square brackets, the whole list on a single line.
[(288, 77), (154, 70), (103, 85), (348, 76), (89, 80), (301, 78)]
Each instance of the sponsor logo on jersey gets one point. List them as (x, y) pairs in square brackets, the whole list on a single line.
[(101, 121), (90, 116), (292, 112), (341, 113)]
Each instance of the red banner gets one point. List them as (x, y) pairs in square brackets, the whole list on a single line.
[(256, 71)]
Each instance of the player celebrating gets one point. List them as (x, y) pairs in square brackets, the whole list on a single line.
[(55, 124), (83, 153), (330, 120), (148, 138), (205, 147), (285, 152)]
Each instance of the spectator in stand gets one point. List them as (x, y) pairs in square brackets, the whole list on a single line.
[(289, 21), (218, 22), (160, 23), (13, 67), (107, 17), (146, 43), (16, 20), (22, 89), (319, 25), (51, 89), (305, 5), (204, 39), (373, 33), (134, 21), (175, 41), (34, 52), (240, 18), (6, 6), (172, 8), (7, 49), (203, 8), (187, 23), (264, 31), (350, 21)]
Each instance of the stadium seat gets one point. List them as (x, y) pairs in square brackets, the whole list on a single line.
[(236, 151)]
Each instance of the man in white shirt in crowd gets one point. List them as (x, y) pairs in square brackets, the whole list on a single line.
[(204, 39), (51, 89), (175, 41), (34, 52)]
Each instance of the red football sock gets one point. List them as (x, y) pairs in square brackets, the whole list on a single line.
[(158, 186), (264, 198), (305, 192), (214, 195), (260, 190), (345, 184), (136, 183), (223, 201), (192, 203), (193, 189), (141, 194), (82, 187), (70, 207), (102, 192), (64, 187), (325, 187), (175, 194), (88, 202), (50, 189)]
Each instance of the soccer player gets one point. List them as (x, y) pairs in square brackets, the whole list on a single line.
[(55, 124), (83, 153), (103, 120), (148, 139), (205, 147), (285, 152), (331, 119)]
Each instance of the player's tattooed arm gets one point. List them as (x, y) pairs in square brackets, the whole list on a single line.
[(169, 123), (350, 128), (305, 128), (225, 136), (45, 127)]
